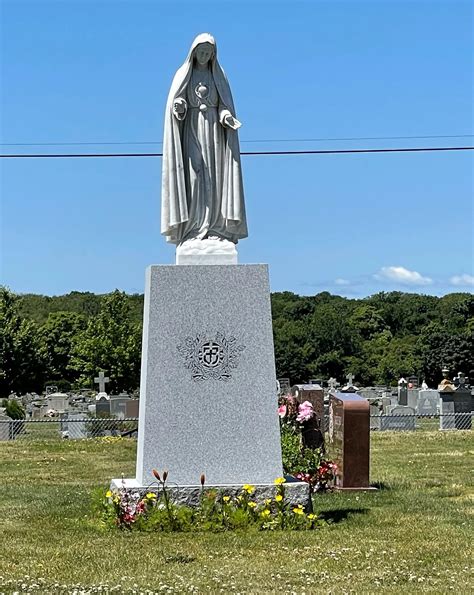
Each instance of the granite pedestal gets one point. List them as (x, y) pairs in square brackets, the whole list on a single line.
[(207, 393)]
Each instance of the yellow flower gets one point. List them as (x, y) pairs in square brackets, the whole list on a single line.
[(279, 480), (248, 488), (108, 494), (268, 501), (226, 498), (311, 516), (150, 496), (252, 504), (298, 510), (278, 497), (265, 512)]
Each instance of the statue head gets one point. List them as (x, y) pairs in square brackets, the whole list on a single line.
[(203, 53)]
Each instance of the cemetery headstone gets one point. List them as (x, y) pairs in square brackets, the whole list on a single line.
[(101, 380), (118, 405), (412, 397), (386, 403), (402, 392), (313, 430), (399, 419), (349, 387), (428, 402), (374, 411), (413, 381), (132, 408), (455, 403), (332, 385), (59, 402), (74, 426), (102, 407), (349, 438), (367, 393), (316, 381)]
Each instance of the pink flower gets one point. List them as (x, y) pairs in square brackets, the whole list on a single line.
[(305, 411), (282, 410)]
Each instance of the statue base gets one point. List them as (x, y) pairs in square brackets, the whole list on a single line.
[(208, 251), (208, 402), (296, 492)]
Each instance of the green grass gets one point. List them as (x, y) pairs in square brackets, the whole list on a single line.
[(412, 535)]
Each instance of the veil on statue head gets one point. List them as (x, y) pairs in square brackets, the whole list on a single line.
[(183, 75)]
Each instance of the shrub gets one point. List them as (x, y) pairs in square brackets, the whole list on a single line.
[(306, 464)]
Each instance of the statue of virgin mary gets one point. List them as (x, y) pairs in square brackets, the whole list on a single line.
[(202, 194)]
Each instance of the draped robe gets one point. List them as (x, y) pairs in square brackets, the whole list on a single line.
[(202, 191)]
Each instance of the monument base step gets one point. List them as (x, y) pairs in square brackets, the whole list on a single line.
[(296, 492), (368, 489)]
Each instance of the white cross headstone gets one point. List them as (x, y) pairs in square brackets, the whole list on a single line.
[(101, 380), (350, 379), (332, 384)]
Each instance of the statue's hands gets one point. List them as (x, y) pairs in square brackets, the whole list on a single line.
[(180, 108), (228, 121)]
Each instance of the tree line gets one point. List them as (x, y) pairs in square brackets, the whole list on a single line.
[(66, 340)]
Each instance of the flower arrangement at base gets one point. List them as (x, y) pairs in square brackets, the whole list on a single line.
[(153, 510), (306, 464)]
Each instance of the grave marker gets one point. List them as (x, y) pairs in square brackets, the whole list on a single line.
[(349, 437), (313, 430), (402, 392), (428, 402), (399, 419), (101, 380)]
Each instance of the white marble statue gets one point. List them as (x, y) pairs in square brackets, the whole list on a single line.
[(202, 198)]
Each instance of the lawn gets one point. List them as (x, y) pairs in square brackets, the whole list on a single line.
[(412, 535)]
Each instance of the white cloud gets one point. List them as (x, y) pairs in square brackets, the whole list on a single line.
[(402, 275), (462, 280), (342, 282)]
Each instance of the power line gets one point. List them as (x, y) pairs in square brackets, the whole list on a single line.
[(302, 152), (267, 140)]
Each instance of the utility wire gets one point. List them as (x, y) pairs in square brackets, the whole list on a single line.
[(302, 152), (267, 140)]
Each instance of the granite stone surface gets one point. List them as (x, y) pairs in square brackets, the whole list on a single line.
[(428, 402), (208, 402), (296, 492)]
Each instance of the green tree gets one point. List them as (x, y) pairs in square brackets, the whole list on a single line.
[(367, 321), (110, 342), (292, 350), (332, 339), (21, 364), (438, 346), (57, 338)]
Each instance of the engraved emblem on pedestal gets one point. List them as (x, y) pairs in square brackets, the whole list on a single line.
[(211, 356)]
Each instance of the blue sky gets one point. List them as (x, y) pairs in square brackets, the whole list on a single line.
[(93, 71)]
